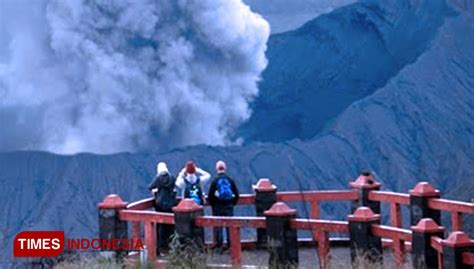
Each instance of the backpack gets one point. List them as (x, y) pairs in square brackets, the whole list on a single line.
[(166, 197), (224, 189), (193, 191)]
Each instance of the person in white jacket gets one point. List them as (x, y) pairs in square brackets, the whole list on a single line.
[(191, 181)]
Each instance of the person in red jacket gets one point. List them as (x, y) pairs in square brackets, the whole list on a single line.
[(223, 196)]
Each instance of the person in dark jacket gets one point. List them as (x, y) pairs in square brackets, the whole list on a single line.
[(163, 186), (223, 196)]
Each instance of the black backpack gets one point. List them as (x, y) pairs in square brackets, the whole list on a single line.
[(166, 196), (194, 191)]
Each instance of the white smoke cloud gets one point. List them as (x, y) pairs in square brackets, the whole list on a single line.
[(106, 76)]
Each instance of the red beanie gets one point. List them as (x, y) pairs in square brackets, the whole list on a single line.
[(190, 167)]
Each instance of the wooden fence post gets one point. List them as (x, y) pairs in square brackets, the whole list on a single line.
[(453, 249), (235, 246), (265, 197), (184, 215), (424, 255), (110, 225), (419, 209), (150, 240), (364, 184), (362, 241), (283, 244)]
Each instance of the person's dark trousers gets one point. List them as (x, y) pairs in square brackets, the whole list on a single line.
[(164, 233), (222, 210)]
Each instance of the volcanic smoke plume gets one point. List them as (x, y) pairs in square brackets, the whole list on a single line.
[(105, 76)]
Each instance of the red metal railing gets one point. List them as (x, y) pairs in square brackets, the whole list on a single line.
[(394, 236), (456, 209), (468, 258), (234, 224), (246, 199), (147, 203), (143, 204), (151, 216), (138, 212), (398, 236), (436, 244), (395, 200), (149, 219), (452, 241), (399, 244), (315, 197), (320, 230)]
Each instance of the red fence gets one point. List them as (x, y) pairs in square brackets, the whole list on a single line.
[(424, 202), (137, 213)]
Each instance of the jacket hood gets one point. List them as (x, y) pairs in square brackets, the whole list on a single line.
[(162, 169), (165, 180)]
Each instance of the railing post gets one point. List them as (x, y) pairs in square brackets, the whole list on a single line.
[(136, 230), (150, 240), (323, 248), (235, 246), (315, 212), (110, 225), (362, 240), (364, 184), (265, 197), (457, 221), (419, 209), (184, 215), (424, 255), (453, 248), (395, 215), (283, 240)]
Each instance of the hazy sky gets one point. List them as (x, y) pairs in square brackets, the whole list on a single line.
[(284, 15)]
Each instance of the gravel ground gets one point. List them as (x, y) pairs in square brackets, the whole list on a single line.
[(308, 259)]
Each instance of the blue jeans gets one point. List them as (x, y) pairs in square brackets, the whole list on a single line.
[(222, 210)]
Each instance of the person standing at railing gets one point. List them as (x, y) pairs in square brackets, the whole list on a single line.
[(191, 181), (163, 187), (223, 196)]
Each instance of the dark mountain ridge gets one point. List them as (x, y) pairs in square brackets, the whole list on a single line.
[(318, 70)]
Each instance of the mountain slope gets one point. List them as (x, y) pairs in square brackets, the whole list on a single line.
[(422, 122), (318, 70)]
